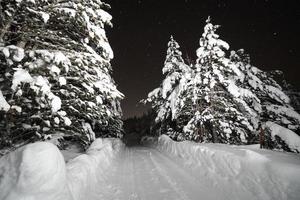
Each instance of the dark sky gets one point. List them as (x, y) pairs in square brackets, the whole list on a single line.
[(267, 29)]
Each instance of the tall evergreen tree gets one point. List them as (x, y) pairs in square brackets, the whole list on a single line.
[(162, 98), (217, 114), (274, 106), (56, 72), (226, 99)]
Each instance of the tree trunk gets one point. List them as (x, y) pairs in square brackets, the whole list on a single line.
[(215, 138), (262, 138)]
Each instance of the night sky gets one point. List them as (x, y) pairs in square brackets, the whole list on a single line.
[(267, 29)]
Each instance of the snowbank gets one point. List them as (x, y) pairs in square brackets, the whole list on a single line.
[(38, 171), (238, 172)]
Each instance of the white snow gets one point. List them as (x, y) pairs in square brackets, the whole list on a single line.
[(61, 59), (62, 81), (43, 84), (288, 136), (190, 171), (3, 103), (153, 93), (32, 172), (45, 16), (62, 113), (20, 76), (56, 120), (55, 104), (55, 69), (69, 11), (105, 16), (167, 86), (88, 88), (285, 111), (5, 51), (277, 94), (223, 44), (88, 128), (67, 121), (99, 100), (38, 171), (17, 53), (237, 172), (163, 169), (17, 108)]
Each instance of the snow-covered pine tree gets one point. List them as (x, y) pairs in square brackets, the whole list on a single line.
[(56, 72), (289, 89), (217, 114), (163, 98), (227, 100), (274, 110)]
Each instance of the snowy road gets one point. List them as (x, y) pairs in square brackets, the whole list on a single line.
[(166, 170), (143, 173)]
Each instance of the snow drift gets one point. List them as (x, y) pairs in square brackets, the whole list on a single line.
[(38, 171), (237, 172)]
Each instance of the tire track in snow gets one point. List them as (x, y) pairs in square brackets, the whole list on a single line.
[(155, 186), (173, 184), (142, 173), (193, 188), (139, 173), (130, 165)]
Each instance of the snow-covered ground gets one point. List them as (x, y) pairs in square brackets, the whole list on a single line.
[(236, 172), (161, 169), (38, 171), (168, 170)]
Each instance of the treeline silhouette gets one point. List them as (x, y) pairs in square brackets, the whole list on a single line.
[(137, 127)]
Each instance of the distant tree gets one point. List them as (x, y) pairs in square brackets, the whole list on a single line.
[(56, 72), (142, 125)]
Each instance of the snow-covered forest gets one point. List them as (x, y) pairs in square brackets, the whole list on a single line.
[(218, 127), (223, 98), (55, 73)]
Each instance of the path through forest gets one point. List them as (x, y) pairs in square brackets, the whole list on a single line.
[(143, 173)]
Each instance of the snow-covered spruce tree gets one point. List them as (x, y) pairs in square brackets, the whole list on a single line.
[(227, 100), (216, 112), (290, 90), (162, 98), (56, 72), (274, 110)]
